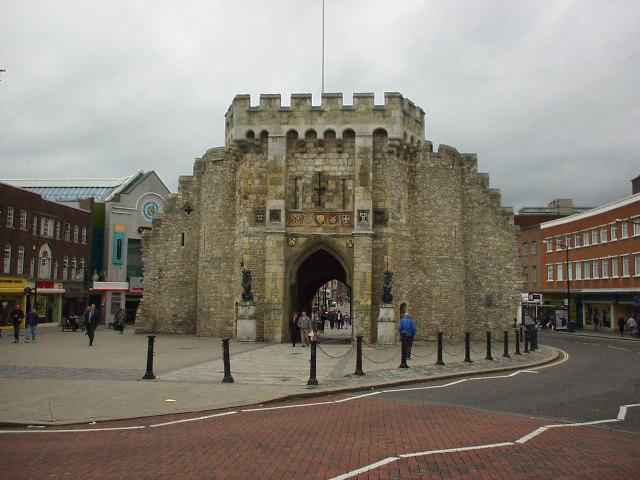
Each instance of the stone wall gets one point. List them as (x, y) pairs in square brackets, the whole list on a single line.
[(431, 219)]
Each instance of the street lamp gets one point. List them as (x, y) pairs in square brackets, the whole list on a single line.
[(565, 246)]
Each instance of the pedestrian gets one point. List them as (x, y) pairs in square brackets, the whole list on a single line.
[(16, 316), (32, 325), (304, 324), (407, 327), (293, 328), (94, 318), (85, 322), (596, 321), (633, 325), (315, 327), (621, 325), (119, 320)]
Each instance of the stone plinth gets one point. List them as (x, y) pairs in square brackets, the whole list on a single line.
[(246, 331), (386, 325)]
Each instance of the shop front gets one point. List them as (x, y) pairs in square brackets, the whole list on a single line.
[(11, 294), (132, 301), (112, 297), (47, 296), (74, 300), (603, 311)]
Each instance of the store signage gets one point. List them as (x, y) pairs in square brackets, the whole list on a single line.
[(44, 284), (135, 284)]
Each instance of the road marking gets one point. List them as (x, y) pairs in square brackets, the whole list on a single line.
[(621, 415), (192, 419), (373, 466), (553, 364), (78, 430), (619, 348), (356, 397), (453, 450)]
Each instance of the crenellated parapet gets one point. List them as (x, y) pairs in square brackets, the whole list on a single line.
[(398, 116)]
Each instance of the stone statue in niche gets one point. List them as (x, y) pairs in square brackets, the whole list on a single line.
[(247, 296), (387, 280)]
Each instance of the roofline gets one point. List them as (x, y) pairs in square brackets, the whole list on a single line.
[(596, 211), (124, 184)]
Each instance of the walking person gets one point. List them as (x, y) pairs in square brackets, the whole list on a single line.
[(32, 325), (85, 321), (119, 320), (16, 317), (304, 324), (293, 328), (633, 325), (621, 325), (94, 318), (408, 327)]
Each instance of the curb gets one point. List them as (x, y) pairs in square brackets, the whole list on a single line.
[(589, 335), (313, 394)]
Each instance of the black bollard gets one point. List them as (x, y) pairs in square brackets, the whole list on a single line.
[(403, 353), (488, 357), (227, 361), (517, 342), (439, 361), (359, 356), (506, 345), (534, 343), (312, 367), (149, 374), (526, 341), (467, 347)]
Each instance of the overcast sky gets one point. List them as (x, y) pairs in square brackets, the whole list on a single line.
[(546, 93)]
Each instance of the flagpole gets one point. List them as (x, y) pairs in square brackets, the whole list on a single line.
[(322, 89)]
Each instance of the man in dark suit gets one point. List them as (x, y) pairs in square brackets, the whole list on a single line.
[(94, 319)]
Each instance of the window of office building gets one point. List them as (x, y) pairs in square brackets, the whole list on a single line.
[(559, 276), (558, 243), (548, 242), (586, 269), (525, 274), (534, 273), (578, 270), (525, 248), (594, 236), (576, 240), (596, 269), (67, 232), (550, 273), (624, 229), (603, 234), (605, 267), (636, 226), (636, 264), (35, 225), (614, 232), (6, 266), (75, 233), (625, 265), (585, 238), (534, 248), (570, 271), (23, 219), (20, 270), (614, 267)]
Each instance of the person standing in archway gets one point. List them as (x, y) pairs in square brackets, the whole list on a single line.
[(294, 331), (304, 324)]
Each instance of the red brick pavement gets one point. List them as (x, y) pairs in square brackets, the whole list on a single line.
[(324, 441)]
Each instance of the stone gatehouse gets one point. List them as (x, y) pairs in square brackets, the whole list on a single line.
[(305, 194)]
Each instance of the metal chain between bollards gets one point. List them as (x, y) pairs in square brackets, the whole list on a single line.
[(378, 362), (334, 356)]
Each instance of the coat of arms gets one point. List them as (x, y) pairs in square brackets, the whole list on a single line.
[(320, 218), (333, 219)]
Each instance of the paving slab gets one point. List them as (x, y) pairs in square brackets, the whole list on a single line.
[(61, 380)]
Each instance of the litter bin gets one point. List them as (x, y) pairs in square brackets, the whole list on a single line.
[(571, 326)]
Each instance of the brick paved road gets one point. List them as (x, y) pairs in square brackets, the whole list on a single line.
[(329, 440)]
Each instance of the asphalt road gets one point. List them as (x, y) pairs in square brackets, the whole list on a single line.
[(599, 376)]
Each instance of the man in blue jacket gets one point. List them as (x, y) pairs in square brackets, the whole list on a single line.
[(407, 327)]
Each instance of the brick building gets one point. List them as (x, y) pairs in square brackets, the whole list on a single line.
[(46, 247), (596, 254)]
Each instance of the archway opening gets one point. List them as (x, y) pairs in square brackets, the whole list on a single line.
[(332, 305), (319, 280)]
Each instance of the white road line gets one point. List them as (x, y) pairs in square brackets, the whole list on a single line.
[(283, 407), (192, 419), (78, 430), (621, 415), (357, 397), (453, 450), (409, 389), (373, 466), (619, 348)]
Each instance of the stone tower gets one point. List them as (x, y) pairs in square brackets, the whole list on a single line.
[(305, 194)]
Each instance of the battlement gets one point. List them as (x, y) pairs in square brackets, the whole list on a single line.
[(399, 116)]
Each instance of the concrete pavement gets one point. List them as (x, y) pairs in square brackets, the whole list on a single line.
[(61, 380)]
